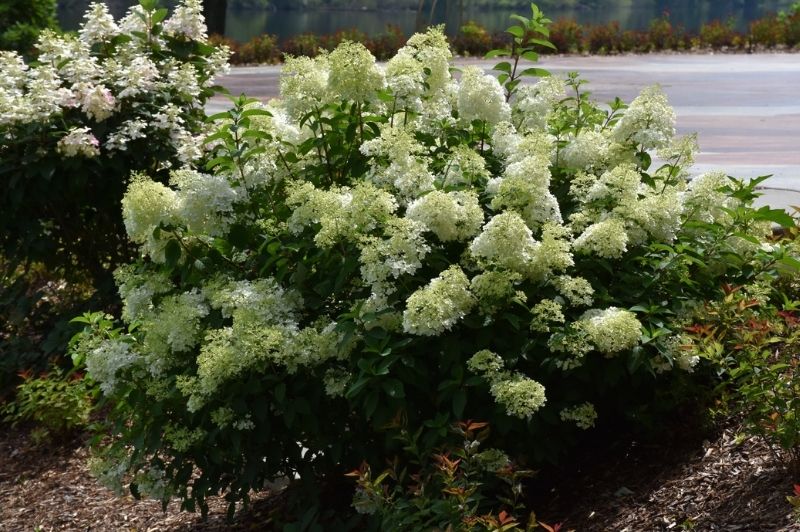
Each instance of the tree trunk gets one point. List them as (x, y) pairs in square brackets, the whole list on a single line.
[(214, 12)]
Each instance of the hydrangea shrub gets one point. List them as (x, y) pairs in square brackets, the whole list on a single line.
[(120, 96), (386, 250)]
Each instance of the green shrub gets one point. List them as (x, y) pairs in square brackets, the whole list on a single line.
[(752, 335), (385, 45), (399, 249), (331, 41), (603, 38), (260, 50), (21, 21), (662, 35), (717, 35), (57, 403), (767, 32), (790, 19), (305, 44), (567, 36), (472, 40)]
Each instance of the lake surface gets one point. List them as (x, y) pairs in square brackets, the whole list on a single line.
[(242, 25)]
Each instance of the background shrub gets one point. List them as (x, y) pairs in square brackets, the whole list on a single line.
[(767, 32), (472, 40), (385, 45), (603, 38), (718, 35), (567, 36), (97, 107), (260, 50), (305, 44), (21, 21)]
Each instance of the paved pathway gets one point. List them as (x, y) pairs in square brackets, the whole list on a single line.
[(745, 108)]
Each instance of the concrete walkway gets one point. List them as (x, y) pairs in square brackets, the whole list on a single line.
[(744, 108)]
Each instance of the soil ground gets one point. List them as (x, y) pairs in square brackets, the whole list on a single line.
[(716, 484)]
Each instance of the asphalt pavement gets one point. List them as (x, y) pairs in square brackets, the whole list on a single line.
[(745, 108)]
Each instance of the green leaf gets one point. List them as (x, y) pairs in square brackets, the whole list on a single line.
[(542, 42), (533, 71), (504, 66), (791, 262), (255, 112), (459, 403), (172, 253), (148, 5), (371, 403), (777, 216), (279, 392), (497, 53), (516, 31), (525, 21), (219, 116), (393, 388), (160, 15)]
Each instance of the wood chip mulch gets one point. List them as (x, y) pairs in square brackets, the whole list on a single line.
[(725, 483), (720, 484), (51, 488)]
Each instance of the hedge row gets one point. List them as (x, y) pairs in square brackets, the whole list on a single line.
[(780, 30)]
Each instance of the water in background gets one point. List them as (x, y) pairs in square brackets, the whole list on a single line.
[(242, 25)]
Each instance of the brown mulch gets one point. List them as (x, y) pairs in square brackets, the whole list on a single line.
[(723, 483), (720, 484), (51, 488)]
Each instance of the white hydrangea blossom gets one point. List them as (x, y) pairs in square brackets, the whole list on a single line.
[(106, 360), (204, 202), (649, 120), (587, 150), (606, 238), (137, 291), (99, 25), (466, 166), (145, 206), (495, 289), (480, 97), (432, 50), (187, 21), (304, 84), (521, 396), (353, 74), (508, 242), (405, 77), (400, 253), (451, 216), (79, 141), (174, 326), (534, 104), (703, 200), (611, 330), (438, 306)]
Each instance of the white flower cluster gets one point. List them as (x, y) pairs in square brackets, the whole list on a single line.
[(79, 141), (440, 305), (518, 394), (583, 415)]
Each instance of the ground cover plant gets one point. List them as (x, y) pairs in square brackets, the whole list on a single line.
[(118, 97), (386, 252)]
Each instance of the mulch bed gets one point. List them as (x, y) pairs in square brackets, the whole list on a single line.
[(717, 484)]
